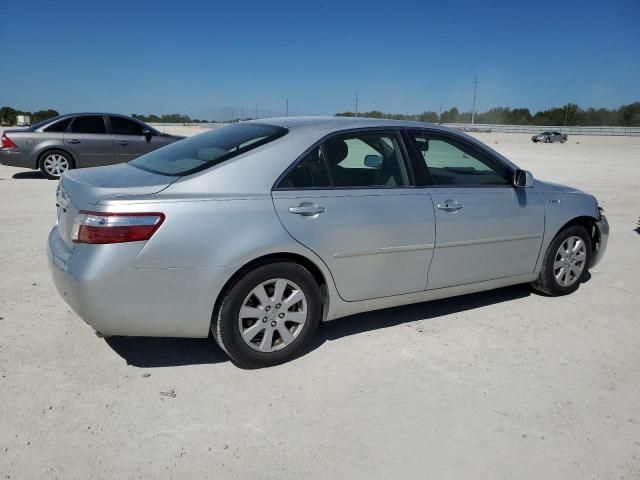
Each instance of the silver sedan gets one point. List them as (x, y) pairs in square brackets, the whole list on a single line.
[(259, 231)]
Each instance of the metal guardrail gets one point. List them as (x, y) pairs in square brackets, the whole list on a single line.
[(533, 129)]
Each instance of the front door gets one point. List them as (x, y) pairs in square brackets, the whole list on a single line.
[(352, 203), (486, 228), (129, 139)]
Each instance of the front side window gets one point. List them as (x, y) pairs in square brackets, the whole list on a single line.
[(453, 163), (124, 126), (207, 149), (88, 124), (366, 160)]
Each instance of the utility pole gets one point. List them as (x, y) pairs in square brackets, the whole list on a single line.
[(475, 94), (287, 107), (566, 113), (440, 117), (356, 103), (241, 113), (256, 109)]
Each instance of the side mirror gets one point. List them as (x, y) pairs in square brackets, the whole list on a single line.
[(147, 133), (373, 161), (522, 179)]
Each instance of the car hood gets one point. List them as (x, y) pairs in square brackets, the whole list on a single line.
[(87, 186), (543, 186)]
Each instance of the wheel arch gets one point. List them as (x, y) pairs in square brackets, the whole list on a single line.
[(52, 149), (297, 258), (590, 225)]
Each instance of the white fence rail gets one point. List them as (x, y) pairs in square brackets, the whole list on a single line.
[(533, 129)]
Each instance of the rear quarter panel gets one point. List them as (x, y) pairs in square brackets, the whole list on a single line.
[(212, 231), (43, 141)]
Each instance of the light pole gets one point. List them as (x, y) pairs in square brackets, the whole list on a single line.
[(475, 93)]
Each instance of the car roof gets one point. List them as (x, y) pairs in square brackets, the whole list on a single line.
[(334, 124)]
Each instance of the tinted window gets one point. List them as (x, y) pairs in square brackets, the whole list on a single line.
[(88, 124), (454, 163), (366, 160), (60, 126), (207, 149), (310, 172), (124, 126)]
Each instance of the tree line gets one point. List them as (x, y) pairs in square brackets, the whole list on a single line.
[(570, 114), (168, 118), (8, 115)]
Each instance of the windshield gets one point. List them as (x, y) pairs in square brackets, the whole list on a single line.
[(207, 149)]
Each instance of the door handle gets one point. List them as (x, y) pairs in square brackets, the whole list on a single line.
[(307, 210), (73, 140), (122, 142), (450, 206)]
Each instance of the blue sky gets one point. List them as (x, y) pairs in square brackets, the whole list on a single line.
[(204, 58)]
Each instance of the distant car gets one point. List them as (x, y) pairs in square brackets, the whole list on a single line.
[(549, 137), (260, 230), (80, 140)]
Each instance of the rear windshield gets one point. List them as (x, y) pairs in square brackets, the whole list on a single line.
[(207, 149)]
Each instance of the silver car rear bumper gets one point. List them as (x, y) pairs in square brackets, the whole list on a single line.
[(102, 285)]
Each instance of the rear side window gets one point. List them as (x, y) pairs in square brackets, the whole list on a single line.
[(207, 149), (360, 160), (60, 126), (88, 124), (366, 160), (124, 126), (310, 172)]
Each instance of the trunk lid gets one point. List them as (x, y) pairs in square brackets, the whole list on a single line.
[(83, 189)]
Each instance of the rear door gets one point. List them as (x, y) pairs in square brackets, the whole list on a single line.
[(129, 139), (87, 140), (486, 228), (352, 201)]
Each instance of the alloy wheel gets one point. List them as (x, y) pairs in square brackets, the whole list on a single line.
[(55, 164), (273, 315), (570, 261)]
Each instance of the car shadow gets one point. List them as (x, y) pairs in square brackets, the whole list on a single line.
[(28, 175), (390, 317), (637, 229), (150, 352)]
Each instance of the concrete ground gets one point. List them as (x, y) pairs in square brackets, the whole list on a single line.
[(498, 385)]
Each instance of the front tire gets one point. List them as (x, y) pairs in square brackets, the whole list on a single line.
[(267, 316), (566, 262), (54, 163)]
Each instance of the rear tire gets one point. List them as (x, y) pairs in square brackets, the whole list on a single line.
[(566, 262), (53, 163), (268, 315)]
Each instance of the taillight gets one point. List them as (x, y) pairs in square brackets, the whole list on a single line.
[(7, 142), (99, 227)]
